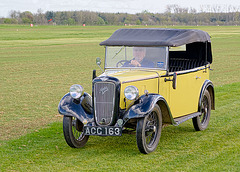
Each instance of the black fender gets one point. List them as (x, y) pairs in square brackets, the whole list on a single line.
[(77, 108), (209, 86), (145, 104)]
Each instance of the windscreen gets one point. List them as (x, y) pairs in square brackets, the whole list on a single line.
[(136, 57)]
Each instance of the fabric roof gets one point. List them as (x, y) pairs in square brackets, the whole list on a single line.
[(156, 37)]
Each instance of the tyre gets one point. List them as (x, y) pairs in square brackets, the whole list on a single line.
[(73, 132), (148, 131), (201, 122)]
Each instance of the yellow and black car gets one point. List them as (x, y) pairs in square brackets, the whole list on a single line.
[(152, 77)]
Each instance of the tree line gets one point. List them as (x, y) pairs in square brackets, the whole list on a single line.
[(173, 15)]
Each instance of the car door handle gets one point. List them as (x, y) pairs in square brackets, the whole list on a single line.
[(198, 77)]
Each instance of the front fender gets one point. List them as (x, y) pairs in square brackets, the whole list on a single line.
[(145, 104), (68, 107)]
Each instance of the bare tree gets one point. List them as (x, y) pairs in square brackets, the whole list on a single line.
[(39, 17)]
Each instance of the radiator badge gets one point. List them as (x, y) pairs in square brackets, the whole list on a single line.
[(103, 90), (104, 78)]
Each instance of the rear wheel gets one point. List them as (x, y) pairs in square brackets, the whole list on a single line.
[(201, 122), (149, 131), (73, 132)]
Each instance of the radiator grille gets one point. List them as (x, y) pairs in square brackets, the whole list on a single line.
[(104, 98)]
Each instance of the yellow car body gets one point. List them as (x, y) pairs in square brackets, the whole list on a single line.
[(182, 101)]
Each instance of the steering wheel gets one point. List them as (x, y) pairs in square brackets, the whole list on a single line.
[(121, 62)]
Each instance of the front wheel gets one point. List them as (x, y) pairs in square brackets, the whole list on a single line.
[(201, 122), (148, 131), (73, 132)]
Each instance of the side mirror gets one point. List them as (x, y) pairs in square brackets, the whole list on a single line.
[(174, 81), (98, 61)]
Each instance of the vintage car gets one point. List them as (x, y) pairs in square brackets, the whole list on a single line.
[(152, 77)]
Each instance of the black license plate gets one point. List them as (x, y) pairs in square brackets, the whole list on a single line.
[(102, 131)]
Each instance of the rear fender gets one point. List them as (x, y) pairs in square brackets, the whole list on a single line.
[(145, 104), (208, 85), (76, 108)]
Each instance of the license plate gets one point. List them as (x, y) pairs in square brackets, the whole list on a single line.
[(102, 131)]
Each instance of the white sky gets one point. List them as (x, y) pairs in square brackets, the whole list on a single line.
[(129, 6)]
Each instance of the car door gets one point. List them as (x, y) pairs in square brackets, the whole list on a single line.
[(184, 99)]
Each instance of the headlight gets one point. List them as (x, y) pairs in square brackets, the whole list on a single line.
[(131, 92), (76, 91)]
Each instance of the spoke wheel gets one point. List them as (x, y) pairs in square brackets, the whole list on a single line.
[(149, 131), (201, 122), (73, 132)]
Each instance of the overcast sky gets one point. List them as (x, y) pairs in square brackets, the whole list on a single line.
[(129, 6)]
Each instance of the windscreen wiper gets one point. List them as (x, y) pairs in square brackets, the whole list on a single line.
[(118, 52)]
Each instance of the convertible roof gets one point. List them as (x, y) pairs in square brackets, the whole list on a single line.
[(156, 37)]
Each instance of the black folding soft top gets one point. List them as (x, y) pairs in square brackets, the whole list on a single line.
[(156, 37)]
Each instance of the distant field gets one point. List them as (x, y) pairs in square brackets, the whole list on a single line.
[(39, 64)]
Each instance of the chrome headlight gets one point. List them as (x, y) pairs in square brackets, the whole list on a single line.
[(76, 91), (131, 92)]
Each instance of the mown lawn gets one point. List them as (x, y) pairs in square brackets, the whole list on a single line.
[(180, 149), (37, 66)]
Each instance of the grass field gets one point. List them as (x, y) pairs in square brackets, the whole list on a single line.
[(39, 64)]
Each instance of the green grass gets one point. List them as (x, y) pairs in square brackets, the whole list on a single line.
[(39, 64), (180, 148)]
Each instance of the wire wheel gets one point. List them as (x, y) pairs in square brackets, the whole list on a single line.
[(201, 122), (73, 132), (149, 131)]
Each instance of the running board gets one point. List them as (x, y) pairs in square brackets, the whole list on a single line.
[(185, 118)]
